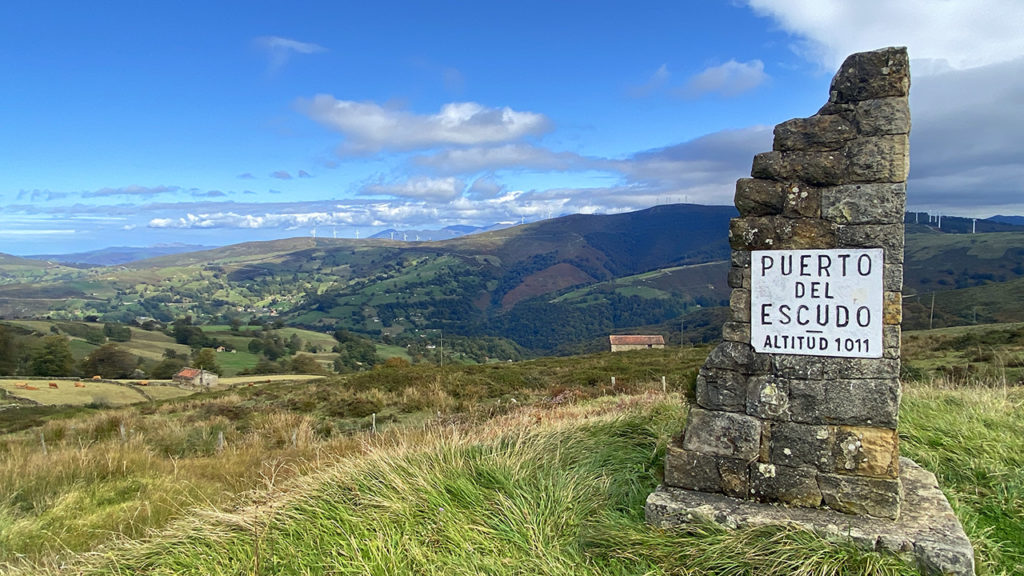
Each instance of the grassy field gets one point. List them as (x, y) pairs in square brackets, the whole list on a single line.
[(90, 392), (537, 467), (992, 354)]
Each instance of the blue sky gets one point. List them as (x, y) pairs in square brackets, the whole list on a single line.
[(137, 123)]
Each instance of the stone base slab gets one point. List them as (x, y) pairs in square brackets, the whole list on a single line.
[(927, 532)]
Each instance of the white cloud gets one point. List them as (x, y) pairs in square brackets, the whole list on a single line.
[(370, 127), (967, 144), (419, 187), (963, 33), (730, 79), (508, 156), (133, 190), (658, 79), (280, 50), (703, 170)]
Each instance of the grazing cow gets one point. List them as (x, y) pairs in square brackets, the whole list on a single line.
[(27, 387), (79, 385), (144, 383), (20, 385), (97, 377), (53, 385)]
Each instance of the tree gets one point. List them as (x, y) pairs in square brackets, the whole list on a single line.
[(8, 353), (167, 368), (206, 359), (53, 357), (306, 364), (185, 333), (110, 361), (117, 332)]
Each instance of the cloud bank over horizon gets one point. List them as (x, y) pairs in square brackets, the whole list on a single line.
[(408, 137)]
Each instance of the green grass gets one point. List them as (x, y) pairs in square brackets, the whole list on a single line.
[(66, 393), (458, 480), (972, 439), (390, 351), (992, 354), (509, 498)]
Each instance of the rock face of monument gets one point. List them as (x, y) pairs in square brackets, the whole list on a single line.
[(798, 405)]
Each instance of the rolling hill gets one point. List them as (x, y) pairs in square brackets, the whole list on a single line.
[(501, 283), (553, 286)]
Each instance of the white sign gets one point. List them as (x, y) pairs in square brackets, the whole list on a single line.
[(817, 302)]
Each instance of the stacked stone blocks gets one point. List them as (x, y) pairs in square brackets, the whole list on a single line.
[(812, 430)]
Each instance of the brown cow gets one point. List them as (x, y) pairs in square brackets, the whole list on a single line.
[(79, 385), (54, 385), (97, 377), (27, 387), (20, 385)]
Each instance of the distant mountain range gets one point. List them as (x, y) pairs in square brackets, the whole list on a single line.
[(547, 285), (1015, 220), (551, 286), (446, 233), (117, 255)]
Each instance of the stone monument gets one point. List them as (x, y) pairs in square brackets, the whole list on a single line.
[(799, 404)]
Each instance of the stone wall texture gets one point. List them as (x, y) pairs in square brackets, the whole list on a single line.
[(808, 430)]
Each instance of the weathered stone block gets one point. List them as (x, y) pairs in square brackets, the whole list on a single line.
[(815, 168), (768, 397), (818, 133), (780, 233), (738, 356), (877, 159), (892, 277), (726, 434), (735, 477), (808, 445), (799, 367), (882, 116), (801, 201), (804, 234), (886, 236), (739, 258), (758, 197), (868, 75), (867, 451), (765, 453), (849, 402), (871, 368), (878, 497), (891, 337), (719, 389), (736, 332), (739, 277), (739, 305), (691, 470), (864, 203), (892, 308), (696, 471), (757, 233), (793, 486)]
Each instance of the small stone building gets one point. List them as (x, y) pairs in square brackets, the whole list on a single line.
[(622, 342), (194, 377)]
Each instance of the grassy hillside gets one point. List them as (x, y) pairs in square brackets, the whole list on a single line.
[(479, 285), (459, 478), (597, 274), (992, 353)]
